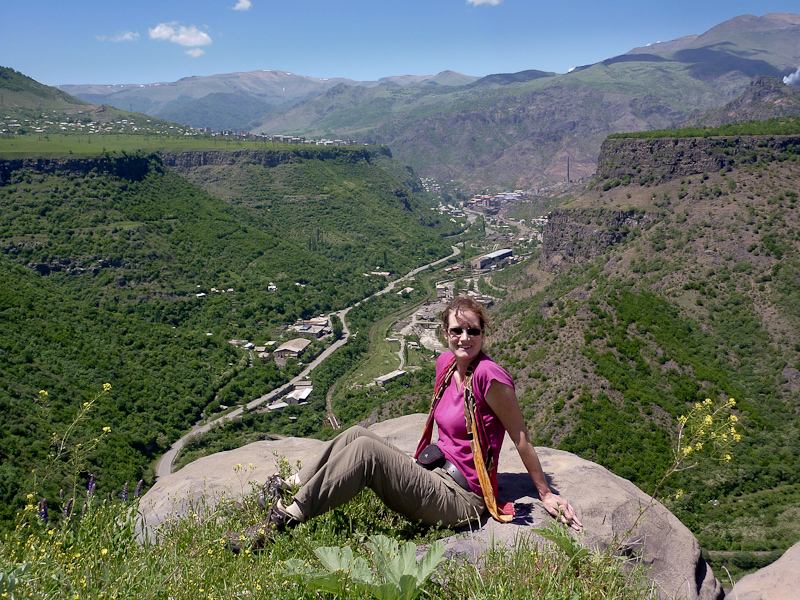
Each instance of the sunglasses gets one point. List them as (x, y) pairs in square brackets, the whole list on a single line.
[(471, 331)]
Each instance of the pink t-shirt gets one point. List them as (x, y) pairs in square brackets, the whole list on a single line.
[(449, 416)]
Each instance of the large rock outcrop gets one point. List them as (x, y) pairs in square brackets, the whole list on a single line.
[(608, 505), (575, 236), (778, 581)]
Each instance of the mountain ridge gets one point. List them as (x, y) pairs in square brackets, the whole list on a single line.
[(509, 138)]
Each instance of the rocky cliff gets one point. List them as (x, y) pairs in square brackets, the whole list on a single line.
[(131, 166), (645, 161), (577, 235), (192, 159), (135, 165), (574, 236)]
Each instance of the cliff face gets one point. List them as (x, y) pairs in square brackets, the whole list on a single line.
[(129, 166), (574, 236), (577, 235), (135, 166), (193, 159), (653, 160)]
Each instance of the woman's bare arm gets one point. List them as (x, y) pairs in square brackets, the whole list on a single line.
[(502, 399)]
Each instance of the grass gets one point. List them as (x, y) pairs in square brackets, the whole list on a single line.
[(382, 358), (96, 554)]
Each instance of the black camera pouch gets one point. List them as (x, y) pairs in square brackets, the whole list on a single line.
[(431, 457)]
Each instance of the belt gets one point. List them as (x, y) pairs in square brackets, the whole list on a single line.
[(456, 475)]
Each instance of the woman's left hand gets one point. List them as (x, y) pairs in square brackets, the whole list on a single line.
[(562, 510)]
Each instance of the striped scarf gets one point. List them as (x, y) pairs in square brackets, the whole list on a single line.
[(479, 442)]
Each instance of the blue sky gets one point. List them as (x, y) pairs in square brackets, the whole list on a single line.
[(142, 41)]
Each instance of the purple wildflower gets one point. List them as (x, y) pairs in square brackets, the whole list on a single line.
[(124, 494), (90, 489), (43, 509), (68, 508), (138, 489)]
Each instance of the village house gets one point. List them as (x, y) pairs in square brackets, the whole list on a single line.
[(384, 379), (314, 328), (292, 349)]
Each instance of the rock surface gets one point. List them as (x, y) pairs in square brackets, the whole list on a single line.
[(606, 504), (778, 581), (653, 160), (576, 236)]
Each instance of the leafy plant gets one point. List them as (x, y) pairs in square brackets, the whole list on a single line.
[(396, 574), (561, 537)]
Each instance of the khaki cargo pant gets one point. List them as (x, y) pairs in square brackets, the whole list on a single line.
[(358, 458)]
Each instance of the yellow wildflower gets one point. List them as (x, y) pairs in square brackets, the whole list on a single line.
[(731, 402), (106, 387), (106, 429), (708, 420)]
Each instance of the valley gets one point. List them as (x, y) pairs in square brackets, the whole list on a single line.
[(656, 259)]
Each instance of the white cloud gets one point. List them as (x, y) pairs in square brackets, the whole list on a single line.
[(195, 52), (489, 2), (243, 5), (793, 79), (185, 36), (122, 36)]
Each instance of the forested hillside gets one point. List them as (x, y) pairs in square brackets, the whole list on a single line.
[(117, 269), (667, 282)]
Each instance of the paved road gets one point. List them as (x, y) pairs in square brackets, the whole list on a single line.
[(164, 464)]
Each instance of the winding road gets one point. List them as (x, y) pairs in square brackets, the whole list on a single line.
[(164, 464)]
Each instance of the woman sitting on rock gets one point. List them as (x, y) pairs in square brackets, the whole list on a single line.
[(449, 483)]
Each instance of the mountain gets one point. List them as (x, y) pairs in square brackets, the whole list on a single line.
[(748, 42), (234, 100), (29, 106), (501, 131), (19, 89), (764, 98), (518, 130)]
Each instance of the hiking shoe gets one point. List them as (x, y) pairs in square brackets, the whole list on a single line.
[(279, 518), (254, 538), (272, 490)]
